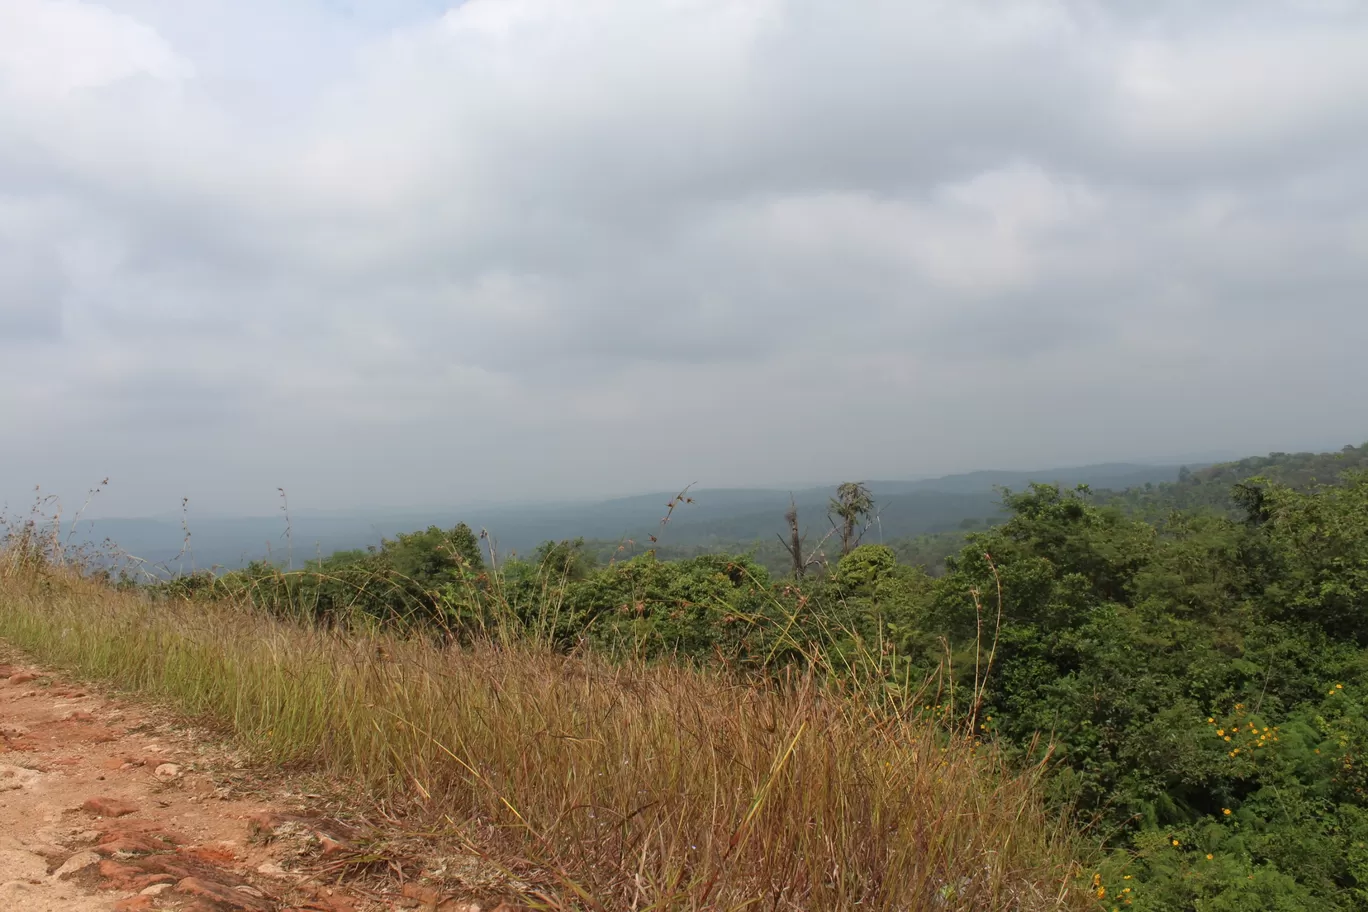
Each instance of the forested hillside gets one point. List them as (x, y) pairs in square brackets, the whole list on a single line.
[(1214, 487), (1199, 681)]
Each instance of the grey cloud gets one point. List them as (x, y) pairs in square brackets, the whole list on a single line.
[(517, 224), (31, 287)]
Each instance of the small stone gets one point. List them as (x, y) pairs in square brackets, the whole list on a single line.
[(109, 807), (271, 869), (78, 862), (78, 715), (155, 889), (168, 772), (331, 847), (22, 677)]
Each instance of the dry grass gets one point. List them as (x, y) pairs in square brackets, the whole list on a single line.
[(626, 786)]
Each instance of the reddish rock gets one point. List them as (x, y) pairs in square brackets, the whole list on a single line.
[(266, 824), (152, 880), (214, 855), (22, 677), (120, 876), (224, 895), (131, 844), (425, 895), (135, 904), (325, 902), (109, 807), (331, 847)]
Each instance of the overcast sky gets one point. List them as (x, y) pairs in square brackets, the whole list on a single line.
[(406, 252)]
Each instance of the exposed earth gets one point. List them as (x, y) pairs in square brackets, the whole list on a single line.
[(107, 805)]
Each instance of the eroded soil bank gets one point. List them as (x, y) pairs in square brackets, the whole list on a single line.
[(106, 804)]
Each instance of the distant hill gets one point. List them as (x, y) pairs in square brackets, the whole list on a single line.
[(1210, 487), (730, 518)]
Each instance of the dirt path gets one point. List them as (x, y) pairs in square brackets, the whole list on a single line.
[(104, 805)]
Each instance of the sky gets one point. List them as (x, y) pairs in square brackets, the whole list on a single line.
[(413, 252)]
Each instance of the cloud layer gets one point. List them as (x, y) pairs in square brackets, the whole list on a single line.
[(515, 248)]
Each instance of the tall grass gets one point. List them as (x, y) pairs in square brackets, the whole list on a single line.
[(632, 786)]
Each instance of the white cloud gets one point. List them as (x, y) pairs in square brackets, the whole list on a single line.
[(53, 48)]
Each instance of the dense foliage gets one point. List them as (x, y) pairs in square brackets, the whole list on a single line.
[(1200, 675)]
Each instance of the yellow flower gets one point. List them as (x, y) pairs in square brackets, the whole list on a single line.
[(1211, 720), (1227, 737), (1210, 856), (1175, 842), (1225, 811), (1221, 731), (1127, 877), (1339, 687)]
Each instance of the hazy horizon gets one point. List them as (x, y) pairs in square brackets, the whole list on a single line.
[(96, 506), (521, 250)]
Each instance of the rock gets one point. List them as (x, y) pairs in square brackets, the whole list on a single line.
[(120, 876), (16, 777), (155, 889), (78, 862), (326, 901), (139, 903), (109, 807), (223, 895), (424, 896), (22, 677), (168, 772), (331, 847), (271, 869), (117, 843), (78, 715)]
